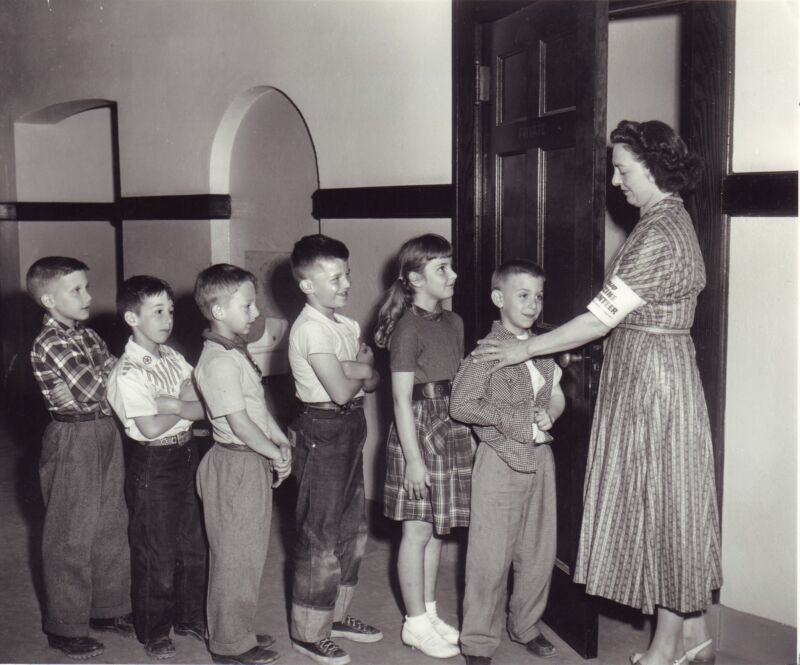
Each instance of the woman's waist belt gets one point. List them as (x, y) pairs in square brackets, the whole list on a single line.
[(655, 330), (78, 417), (431, 390)]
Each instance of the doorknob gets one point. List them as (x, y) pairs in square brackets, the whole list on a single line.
[(566, 359)]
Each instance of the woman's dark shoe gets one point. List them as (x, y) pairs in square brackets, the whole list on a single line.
[(122, 625), (540, 646), (160, 648), (195, 630), (77, 648), (256, 656)]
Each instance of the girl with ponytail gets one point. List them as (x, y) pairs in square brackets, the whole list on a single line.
[(429, 456)]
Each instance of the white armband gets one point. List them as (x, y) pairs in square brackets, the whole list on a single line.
[(614, 302)]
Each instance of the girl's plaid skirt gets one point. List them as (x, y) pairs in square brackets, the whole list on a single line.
[(447, 450)]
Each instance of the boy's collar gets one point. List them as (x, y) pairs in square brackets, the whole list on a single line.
[(239, 344), (52, 321), (504, 333), (315, 312), (137, 351)]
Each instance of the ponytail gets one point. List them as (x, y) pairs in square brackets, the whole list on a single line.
[(397, 299)]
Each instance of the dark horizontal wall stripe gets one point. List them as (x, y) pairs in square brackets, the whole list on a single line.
[(55, 211), (191, 206), (384, 202), (760, 194)]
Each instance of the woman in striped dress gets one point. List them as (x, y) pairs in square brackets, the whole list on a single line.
[(650, 534)]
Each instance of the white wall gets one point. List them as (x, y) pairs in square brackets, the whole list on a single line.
[(759, 516)]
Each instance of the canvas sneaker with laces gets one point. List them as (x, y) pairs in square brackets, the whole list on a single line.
[(325, 652), (355, 630)]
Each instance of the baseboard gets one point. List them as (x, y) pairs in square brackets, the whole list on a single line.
[(752, 638)]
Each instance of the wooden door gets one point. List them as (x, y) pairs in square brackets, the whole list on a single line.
[(541, 90)]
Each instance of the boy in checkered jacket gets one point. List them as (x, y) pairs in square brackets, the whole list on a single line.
[(85, 557), (513, 509)]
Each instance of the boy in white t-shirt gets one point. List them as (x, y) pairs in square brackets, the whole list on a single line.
[(150, 389), (332, 370)]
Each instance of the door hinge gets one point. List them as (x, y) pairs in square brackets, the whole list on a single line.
[(483, 90)]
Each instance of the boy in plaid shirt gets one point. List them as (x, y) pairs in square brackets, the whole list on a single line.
[(513, 504), (85, 554)]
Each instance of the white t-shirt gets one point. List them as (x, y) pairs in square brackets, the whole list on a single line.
[(229, 384), (138, 378), (537, 383), (311, 333)]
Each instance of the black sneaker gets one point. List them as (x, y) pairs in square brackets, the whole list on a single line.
[(325, 652), (195, 630), (122, 625), (255, 656), (265, 640), (356, 630), (77, 648), (160, 648)]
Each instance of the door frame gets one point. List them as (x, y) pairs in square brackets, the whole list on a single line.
[(707, 60)]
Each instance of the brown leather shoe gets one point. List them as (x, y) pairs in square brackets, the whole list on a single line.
[(77, 648), (265, 640), (540, 646), (255, 656)]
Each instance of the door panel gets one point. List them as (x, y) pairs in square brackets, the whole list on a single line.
[(544, 148)]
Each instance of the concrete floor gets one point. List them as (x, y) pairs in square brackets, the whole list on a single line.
[(377, 598)]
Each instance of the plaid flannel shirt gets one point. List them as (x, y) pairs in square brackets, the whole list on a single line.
[(75, 356), (500, 406)]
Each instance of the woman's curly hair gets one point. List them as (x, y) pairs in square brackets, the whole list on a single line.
[(674, 167)]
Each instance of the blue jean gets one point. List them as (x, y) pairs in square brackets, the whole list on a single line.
[(168, 552), (331, 524)]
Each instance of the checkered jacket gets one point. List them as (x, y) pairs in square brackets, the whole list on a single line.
[(500, 406), (76, 356)]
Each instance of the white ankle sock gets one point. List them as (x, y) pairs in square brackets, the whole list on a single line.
[(430, 608), (419, 622)]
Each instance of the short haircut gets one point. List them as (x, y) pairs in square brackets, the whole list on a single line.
[(217, 283), (47, 269), (515, 267), (310, 249), (135, 290)]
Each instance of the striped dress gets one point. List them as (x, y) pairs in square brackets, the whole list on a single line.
[(650, 533)]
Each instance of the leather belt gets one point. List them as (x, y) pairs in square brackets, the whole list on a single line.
[(78, 417), (356, 403), (173, 440), (431, 390), (235, 447)]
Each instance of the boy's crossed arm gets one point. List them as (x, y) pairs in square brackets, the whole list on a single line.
[(343, 380)]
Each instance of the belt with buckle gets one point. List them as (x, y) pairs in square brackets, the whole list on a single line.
[(78, 417), (431, 390), (356, 403), (174, 440)]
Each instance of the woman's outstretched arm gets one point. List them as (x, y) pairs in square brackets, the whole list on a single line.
[(581, 330)]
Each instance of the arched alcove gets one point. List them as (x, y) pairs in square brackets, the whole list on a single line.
[(264, 157)]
